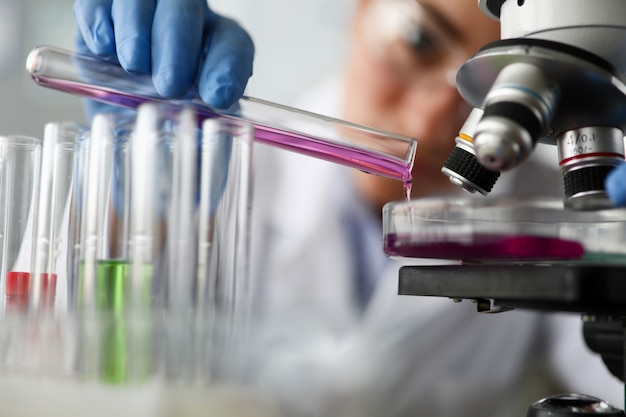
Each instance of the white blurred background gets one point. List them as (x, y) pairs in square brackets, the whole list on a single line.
[(298, 43)]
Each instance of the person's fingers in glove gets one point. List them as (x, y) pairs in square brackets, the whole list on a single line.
[(615, 185), (94, 27), (179, 42), (228, 54)]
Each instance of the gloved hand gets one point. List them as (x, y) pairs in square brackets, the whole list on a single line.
[(616, 185), (179, 42)]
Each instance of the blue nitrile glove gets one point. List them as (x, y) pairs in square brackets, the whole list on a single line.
[(616, 185), (179, 42)]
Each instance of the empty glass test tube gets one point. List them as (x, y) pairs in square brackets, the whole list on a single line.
[(224, 223), (163, 205), (370, 150), (182, 213)]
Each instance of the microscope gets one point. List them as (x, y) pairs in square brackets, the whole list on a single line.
[(557, 76)]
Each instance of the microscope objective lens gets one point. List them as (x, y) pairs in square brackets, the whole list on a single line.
[(586, 157)]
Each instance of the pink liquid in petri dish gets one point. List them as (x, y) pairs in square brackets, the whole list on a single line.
[(344, 154), (483, 247)]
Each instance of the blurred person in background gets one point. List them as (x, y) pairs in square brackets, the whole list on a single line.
[(317, 226)]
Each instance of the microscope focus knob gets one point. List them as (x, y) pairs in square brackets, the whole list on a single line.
[(564, 405)]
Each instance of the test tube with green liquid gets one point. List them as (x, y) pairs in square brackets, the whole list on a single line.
[(103, 200), (115, 351), (114, 357)]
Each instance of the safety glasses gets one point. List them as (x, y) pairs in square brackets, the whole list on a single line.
[(411, 40)]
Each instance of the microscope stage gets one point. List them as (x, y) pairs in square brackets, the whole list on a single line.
[(597, 289), (517, 252)]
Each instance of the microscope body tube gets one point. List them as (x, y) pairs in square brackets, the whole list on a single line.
[(595, 26)]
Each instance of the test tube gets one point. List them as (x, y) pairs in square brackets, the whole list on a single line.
[(163, 220), (104, 218), (182, 239), (20, 163), (150, 203), (370, 150), (52, 257), (224, 223), (117, 347)]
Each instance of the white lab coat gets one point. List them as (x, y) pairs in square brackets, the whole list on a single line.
[(312, 239)]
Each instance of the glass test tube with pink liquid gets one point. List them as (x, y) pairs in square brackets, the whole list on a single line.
[(370, 150)]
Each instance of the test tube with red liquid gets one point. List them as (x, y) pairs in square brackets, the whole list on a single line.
[(20, 163), (54, 235)]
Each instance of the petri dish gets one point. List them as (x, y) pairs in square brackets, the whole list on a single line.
[(371, 150), (503, 229)]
